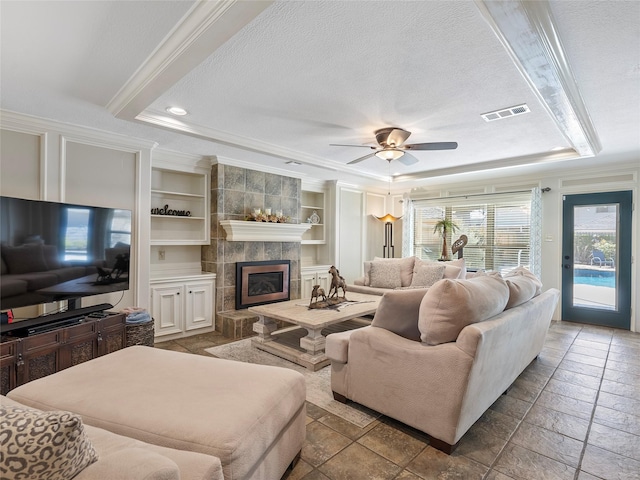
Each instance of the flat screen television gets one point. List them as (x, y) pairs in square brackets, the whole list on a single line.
[(59, 251)]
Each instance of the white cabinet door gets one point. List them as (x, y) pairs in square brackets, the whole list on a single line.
[(168, 307), (308, 281), (314, 276), (198, 304), (324, 279)]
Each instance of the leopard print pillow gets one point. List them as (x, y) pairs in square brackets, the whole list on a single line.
[(42, 445)]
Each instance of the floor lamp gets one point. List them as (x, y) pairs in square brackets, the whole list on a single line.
[(388, 249)]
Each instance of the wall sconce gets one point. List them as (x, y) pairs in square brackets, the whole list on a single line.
[(388, 249)]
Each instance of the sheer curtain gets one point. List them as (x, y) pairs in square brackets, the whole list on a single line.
[(536, 231)]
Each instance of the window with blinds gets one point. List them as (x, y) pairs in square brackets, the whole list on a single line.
[(498, 228)]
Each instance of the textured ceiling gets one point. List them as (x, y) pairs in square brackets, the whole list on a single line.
[(271, 82)]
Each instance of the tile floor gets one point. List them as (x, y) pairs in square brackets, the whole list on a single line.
[(574, 414)]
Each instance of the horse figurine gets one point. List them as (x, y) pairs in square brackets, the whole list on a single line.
[(337, 281), (317, 292)]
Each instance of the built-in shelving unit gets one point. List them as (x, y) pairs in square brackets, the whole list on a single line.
[(185, 192), (313, 204)]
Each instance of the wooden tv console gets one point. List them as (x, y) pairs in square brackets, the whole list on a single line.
[(26, 358)]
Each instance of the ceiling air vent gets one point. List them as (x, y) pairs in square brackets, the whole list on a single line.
[(505, 113)]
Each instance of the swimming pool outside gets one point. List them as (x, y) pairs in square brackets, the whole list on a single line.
[(594, 288), (598, 278)]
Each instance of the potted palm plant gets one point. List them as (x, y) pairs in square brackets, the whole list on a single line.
[(442, 227)]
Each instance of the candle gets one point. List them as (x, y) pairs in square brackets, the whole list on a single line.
[(267, 211)]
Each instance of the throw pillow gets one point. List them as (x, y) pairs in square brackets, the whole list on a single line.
[(459, 263), (43, 445), (450, 305), (453, 268), (24, 259), (521, 290), (523, 272), (427, 274), (406, 268), (398, 313), (385, 274)]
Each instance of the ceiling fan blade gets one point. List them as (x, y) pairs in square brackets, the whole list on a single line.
[(432, 146), (408, 159), (357, 160), (343, 145)]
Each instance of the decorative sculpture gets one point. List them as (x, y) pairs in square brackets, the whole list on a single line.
[(315, 293), (458, 245), (337, 281)]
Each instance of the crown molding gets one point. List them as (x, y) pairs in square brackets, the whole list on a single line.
[(29, 124), (514, 162), (169, 159)]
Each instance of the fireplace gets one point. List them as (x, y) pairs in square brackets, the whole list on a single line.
[(262, 282)]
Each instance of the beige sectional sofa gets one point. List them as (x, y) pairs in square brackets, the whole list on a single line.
[(384, 274), (436, 359), (247, 421)]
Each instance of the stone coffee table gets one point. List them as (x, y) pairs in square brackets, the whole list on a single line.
[(313, 320)]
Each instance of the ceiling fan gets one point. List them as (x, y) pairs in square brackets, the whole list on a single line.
[(391, 146)]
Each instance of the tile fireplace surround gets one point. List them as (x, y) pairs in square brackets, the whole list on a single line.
[(235, 193)]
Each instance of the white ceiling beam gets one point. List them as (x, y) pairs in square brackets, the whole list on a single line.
[(207, 26), (527, 31)]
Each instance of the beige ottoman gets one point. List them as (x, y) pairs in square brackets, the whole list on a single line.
[(250, 416)]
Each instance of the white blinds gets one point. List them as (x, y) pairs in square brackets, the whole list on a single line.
[(498, 227)]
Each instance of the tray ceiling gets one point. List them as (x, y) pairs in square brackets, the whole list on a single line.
[(265, 83)]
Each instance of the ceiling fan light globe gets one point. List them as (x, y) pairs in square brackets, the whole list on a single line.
[(389, 154)]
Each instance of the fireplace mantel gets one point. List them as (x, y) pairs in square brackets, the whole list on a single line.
[(247, 231)]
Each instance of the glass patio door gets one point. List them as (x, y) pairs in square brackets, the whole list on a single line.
[(596, 259)]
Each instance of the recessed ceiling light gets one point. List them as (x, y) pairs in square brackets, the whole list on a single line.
[(293, 162), (177, 111), (555, 149)]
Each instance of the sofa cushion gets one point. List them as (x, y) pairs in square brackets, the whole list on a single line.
[(36, 444), (427, 273), (450, 305), (398, 312), (385, 275), (132, 463), (24, 259), (406, 268)]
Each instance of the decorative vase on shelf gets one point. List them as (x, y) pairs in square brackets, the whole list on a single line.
[(315, 218)]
